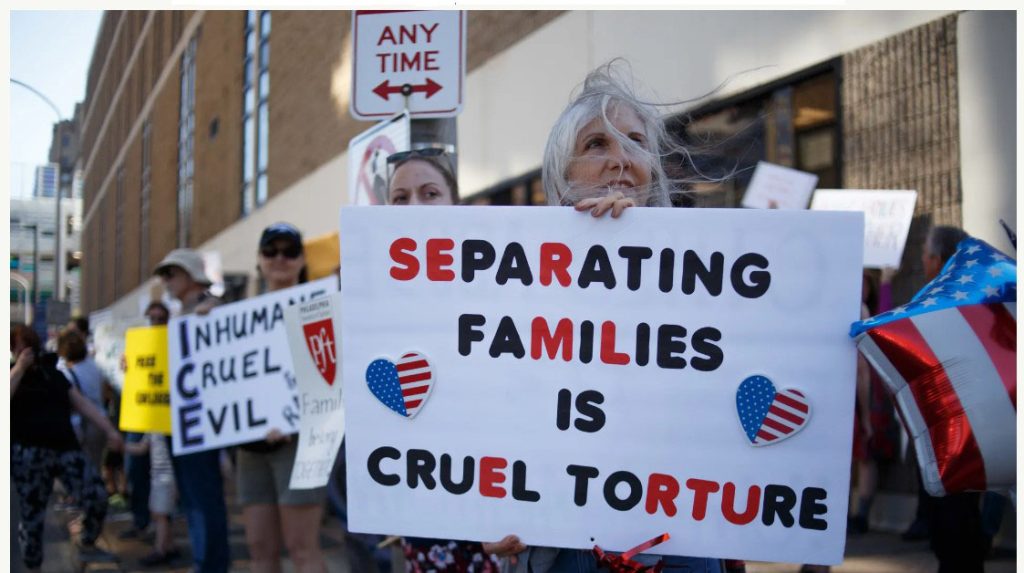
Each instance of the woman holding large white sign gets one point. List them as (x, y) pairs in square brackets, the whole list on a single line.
[(603, 156), (271, 509)]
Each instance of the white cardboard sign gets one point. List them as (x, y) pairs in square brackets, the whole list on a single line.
[(231, 371), (580, 381), (775, 186), (422, 49), (367, 159), (887, 218), (312, 328)]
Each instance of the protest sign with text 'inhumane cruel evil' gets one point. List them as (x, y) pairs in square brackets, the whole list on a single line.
[(232, 372), (582, 381)]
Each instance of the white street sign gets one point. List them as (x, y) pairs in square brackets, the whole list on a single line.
[(367, 159), (416, 53)]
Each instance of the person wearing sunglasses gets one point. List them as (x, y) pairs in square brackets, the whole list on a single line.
[(197, 475), (275, 515)]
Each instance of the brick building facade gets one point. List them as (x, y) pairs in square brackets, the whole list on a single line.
[(133, 102)]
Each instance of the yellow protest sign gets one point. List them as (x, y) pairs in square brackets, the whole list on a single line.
[(146, 397)]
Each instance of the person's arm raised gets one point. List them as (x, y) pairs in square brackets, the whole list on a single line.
[(21, 365)]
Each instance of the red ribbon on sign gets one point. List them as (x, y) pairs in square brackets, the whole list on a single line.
[(624, 563)]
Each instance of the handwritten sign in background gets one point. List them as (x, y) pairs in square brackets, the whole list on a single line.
[(146, 397), (887, 218)]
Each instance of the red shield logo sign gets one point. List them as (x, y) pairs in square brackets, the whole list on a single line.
[(320, 341)]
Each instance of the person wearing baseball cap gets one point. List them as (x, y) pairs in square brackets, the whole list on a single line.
[(198, 475), (276, 516)]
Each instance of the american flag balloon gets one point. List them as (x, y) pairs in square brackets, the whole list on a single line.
[(768, 416), (949, 357), (402, 387)]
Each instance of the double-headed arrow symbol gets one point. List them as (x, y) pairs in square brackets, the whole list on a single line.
[(384, 90)]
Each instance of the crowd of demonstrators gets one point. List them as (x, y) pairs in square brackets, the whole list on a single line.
[(198, 475), (44, 448), (604, 155), (274, 514)]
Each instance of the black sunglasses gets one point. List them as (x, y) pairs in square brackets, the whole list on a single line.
[(290, 252), (425, 152)]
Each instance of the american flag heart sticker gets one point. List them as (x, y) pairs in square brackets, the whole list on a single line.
[(402, 387), (768, 416)]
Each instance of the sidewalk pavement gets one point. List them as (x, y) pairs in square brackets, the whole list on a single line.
[(869, 553)]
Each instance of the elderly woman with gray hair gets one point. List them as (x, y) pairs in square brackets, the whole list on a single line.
[(603, 156)]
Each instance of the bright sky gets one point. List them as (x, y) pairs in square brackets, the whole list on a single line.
[(50, 51)]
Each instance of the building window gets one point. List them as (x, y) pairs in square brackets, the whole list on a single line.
[(793, 122), (147, 142), (255, 110), (186, 140), (101, 262), (119, 243)]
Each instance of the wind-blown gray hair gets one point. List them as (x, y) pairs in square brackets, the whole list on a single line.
[(605, 90), (602, 92)]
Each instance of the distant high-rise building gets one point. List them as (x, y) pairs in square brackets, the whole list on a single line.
[(77, 184), (47, 177), (64, 148)]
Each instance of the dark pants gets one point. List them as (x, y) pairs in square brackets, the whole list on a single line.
[(137, 469), (32, 473), (956, 535), (201, 489)]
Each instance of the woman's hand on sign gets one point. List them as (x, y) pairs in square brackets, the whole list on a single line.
[(617, 202), (275, 436), (509, 546)]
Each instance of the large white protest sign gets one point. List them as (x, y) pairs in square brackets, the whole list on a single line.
[(314, 346), (887, 218), (582, 381), (778, 187), (231, 371)]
